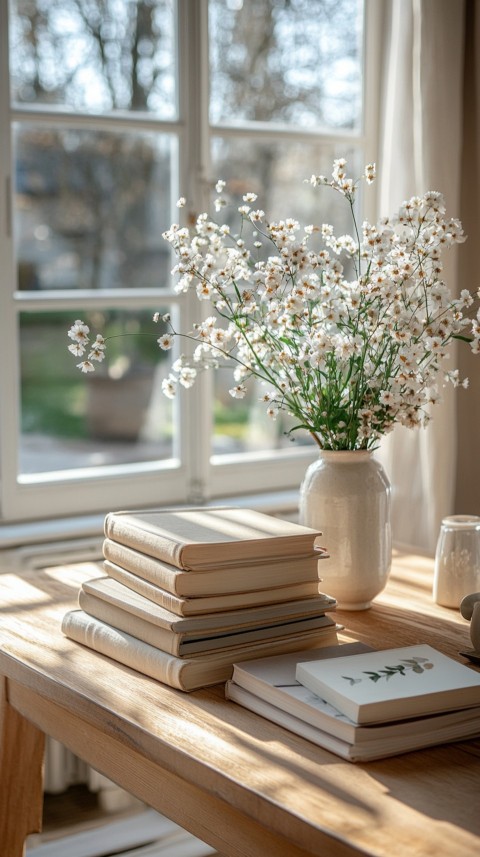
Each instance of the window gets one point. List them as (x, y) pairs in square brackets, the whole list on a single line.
[(109, 111)]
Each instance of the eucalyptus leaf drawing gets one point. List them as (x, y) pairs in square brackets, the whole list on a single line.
[(417, 665)]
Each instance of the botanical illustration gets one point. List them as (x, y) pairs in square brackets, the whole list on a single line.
[(416, 665)]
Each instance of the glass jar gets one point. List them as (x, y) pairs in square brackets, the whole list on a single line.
[(457, 560)]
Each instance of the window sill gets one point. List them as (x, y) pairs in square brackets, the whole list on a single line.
[(80, 538)]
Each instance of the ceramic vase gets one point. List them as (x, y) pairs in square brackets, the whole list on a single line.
[(346, 496)]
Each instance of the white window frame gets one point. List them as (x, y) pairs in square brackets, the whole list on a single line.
[(191, 476)]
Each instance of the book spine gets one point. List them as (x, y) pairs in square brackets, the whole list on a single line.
[(124, 648), (162, 638), (148, 590), (224, 580), (152, 570), (151, 543)]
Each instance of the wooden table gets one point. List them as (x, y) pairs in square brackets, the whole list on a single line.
[(230, 777)]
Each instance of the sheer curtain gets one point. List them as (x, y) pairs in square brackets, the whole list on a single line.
[(429, 141)]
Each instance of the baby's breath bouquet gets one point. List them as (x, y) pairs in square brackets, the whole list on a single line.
[(348, 334)]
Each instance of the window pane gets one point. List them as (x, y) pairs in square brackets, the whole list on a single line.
[(298, 62), (275, 172), (91, 207), (243, 425), (94, 55), (116, 415)]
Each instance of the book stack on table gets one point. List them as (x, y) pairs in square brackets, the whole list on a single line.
[(188, 592), (363, 704)]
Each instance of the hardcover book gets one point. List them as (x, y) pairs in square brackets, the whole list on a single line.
[(418, 734), (182, 673), (207, 537), (227, 579), (210, 603), (395, 684), (272, 681), (115, 593), (190, 644)]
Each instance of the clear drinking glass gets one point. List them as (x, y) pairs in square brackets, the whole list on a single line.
[(457, 560)]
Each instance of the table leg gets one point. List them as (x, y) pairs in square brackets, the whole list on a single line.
[(21, 777)]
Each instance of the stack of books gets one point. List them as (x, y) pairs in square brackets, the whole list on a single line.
[(363, 704), (188, 592)]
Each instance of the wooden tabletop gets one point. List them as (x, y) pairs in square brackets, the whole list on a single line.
[(232, 778)]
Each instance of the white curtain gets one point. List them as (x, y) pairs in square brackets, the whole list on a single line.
[(421, 137)]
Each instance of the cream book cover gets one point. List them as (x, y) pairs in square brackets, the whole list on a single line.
[(112, 591), (183, 673), (206, 537), (393, 684), (441, 729), (211, 603), (224, 580)]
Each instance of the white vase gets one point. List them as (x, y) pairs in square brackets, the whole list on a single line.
[(346, 496)]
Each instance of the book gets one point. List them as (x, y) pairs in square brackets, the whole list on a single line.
[(185, 674), (395, 684), (112, 591), (189, 644), (208, 537), (210, 603), (466, 726), (228, 579), (272, 679)]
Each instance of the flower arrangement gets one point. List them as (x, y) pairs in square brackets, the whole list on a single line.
[(350, 338)]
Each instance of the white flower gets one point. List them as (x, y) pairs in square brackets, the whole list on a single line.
[(338, 172), (169, 387), (466, 298), (348, 333), (79, 332), (238, 392), (179, 363), (86, 366), (97, 352), (257, 216), (317, 180), (204, 291), (187, 376), (387, 398), (77, 349), (218, 338), (181, 202), (166, 341)]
